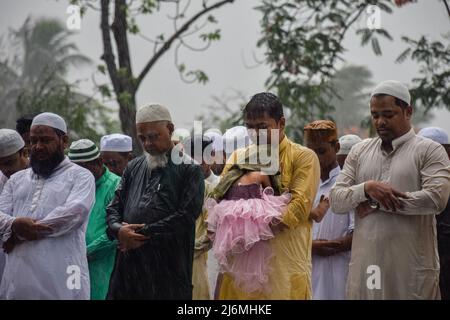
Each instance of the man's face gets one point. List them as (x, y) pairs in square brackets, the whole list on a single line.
[(47, 149), (13, 163), (115, 161), (263, 126), (155, 137), (390, 120), (94, 166), (325, 151), (219, 162)]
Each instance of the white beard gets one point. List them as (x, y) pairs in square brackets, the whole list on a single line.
[(156, 161)]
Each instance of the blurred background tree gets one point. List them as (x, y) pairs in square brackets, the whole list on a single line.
[(34, 80), (118, 21), (304, 46)]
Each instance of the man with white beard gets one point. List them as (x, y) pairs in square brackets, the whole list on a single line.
[(153, 216), (55, 197)]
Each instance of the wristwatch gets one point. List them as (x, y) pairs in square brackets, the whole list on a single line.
[(374, 204)]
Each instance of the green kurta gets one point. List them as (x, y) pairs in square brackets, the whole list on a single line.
[(100, 250)]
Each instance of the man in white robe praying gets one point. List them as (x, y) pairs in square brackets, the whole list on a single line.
[(46, 257), (397, 182)]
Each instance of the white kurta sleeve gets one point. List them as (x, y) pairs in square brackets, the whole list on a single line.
[(345, 195), (435, 177), (6, 207), (75, 210), (351, 222)]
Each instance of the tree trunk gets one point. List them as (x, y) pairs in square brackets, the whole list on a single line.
[(127, 115)]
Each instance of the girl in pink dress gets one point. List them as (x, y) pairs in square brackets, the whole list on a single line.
[(240, 228)]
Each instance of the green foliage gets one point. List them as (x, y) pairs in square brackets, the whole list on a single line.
[(211, 36), (431, 89), (86, 118), (304, 43)]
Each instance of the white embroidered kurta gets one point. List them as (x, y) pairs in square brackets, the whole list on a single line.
[(3, 180), (5, 225), (54, 267), (212, 265), (395, 251), (329, 274)]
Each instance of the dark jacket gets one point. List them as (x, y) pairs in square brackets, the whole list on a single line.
[(167, 201)]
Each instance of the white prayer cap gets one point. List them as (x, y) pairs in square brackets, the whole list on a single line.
[(217, 139), (10, 142), (152, 112), (393, 88), (116, 142), (347, 142), (83, 150), (434, 133), (51, 120), (180, 134), (235, 138)]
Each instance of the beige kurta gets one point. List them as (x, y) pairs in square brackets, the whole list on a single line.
[(403, 243)]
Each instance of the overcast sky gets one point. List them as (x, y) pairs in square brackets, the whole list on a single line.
[(225, 61)]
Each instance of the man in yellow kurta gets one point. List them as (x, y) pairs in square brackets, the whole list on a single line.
[(290, 276)]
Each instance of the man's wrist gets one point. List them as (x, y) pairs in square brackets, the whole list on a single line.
[(366, 189)]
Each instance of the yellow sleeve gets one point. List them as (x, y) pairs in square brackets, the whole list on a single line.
[(303, 187)]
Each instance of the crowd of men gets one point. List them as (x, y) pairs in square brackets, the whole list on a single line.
[(367, 219)]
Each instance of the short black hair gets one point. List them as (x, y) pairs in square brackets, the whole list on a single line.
[(398, 102), (23, 124), (264, 103)]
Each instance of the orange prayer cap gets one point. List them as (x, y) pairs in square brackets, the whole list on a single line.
[(324, 130)]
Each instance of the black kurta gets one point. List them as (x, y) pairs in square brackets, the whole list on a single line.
[(167, 201)]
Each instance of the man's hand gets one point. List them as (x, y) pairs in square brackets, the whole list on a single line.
[(129, 239), (320, 211), (326, 248), (11, 243), (29, 229), (277, 226), (387, 196), (363, 209)]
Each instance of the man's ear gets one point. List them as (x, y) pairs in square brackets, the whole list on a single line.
[(171, 127), (282, 123), (24, 152), (408, 112), (65, 139), (100, 161), (337, 147)]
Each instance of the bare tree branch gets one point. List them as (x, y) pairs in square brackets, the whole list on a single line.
[(175, 36)]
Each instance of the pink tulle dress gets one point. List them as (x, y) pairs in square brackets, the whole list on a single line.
[(240, 226)]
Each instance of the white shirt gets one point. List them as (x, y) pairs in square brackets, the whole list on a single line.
[(3, 180), (5, 225), (54, 267), (5, 220), (329, 274), (212, 264), (212, 181)]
